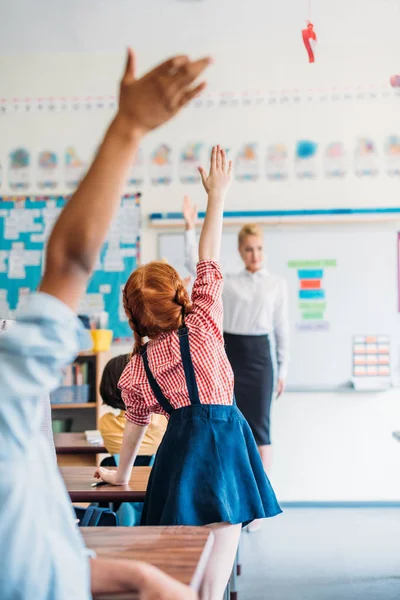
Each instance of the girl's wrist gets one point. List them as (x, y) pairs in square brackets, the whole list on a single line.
[(216, 196)]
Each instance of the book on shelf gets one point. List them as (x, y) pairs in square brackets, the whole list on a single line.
[(76, 374)]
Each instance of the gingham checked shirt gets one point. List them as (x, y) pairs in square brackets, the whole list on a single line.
[(213, 371)]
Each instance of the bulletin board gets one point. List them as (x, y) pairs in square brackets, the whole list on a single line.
[(25, 226)]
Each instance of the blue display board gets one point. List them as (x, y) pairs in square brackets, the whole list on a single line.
[(25, 225)]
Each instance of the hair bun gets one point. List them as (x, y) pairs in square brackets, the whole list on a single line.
[(182, 297)]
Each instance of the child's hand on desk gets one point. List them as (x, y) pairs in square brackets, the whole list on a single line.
[(159, 586), (109, 476)]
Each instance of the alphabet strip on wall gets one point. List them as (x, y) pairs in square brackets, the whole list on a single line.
[(225, 99)]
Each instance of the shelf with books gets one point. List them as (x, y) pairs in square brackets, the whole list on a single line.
[(79, 390)]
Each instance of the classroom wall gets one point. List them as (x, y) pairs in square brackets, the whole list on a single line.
[(327, 446)]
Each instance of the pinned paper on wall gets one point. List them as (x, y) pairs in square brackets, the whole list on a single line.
[(161, 165), (19, 169), (47, 170), (335, 160), (305, 160), (189, 160), (276, 162), (136, 173), (312, 301), (74, 168), (366, 158), (392, 155), (247, 166), (371, 362)]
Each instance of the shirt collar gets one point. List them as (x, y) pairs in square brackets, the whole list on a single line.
[(260, 273)]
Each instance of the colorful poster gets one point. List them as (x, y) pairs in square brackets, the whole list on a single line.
[(161, 165), (366, 158), (74, 168), (305, 159), (276, 164), (247, 163), (311, 295), (335, 160), (47, 170), (189, 160), (371, 356), (19, 169), (371, 362), (136, 174), (392, 155)]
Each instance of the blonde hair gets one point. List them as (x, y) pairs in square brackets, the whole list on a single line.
[(155, 301), (250, 229)]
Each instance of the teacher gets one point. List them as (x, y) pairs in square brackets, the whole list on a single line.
[(255, 310)]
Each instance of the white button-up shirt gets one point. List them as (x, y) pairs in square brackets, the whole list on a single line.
[(254, 304)]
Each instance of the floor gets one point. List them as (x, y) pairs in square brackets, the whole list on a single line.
[(323, 554)]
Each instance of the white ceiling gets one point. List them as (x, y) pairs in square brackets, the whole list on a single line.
[(37, 26)]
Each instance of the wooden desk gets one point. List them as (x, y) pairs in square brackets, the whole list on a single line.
[(396, 435), (73, 449), (78, 481), (181, 552), (76, 443)]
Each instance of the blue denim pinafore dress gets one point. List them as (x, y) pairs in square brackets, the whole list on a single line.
[(207, 468)]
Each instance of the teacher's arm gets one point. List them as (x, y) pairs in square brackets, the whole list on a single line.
[(281, 330)]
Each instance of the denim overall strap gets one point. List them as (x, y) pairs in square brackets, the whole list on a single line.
[(161, 399), (190, 376)]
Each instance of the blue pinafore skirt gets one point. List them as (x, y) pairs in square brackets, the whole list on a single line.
[(207, 468)]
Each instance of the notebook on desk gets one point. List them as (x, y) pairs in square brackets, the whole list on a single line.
[(93, 436)]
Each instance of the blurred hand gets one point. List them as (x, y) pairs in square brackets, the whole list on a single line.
[(152, 100), (186, 281), (189, 213), (220, 176), (159, 586), (108, 475), (280, 387)]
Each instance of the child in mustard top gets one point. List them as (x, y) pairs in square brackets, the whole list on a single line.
[(112, 425)]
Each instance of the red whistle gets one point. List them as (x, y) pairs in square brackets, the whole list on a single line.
[(309, 40)]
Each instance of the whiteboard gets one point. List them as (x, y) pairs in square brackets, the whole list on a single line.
[(359, 282)]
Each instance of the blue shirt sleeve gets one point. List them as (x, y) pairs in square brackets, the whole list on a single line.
[(47, 336)]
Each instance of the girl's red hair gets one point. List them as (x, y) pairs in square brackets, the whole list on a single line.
[(155, 301)]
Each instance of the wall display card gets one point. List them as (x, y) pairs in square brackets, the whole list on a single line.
[(335, 160), (366, 158), (161, 168), (48, 170), (247, 167), (25, 226), (371, 362), (19, 169), (392, 155), (189, 160), (305, 159), (276, 162), (312, 294), (74, 168), (136, 173)]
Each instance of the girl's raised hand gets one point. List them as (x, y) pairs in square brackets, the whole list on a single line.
[(220, 176)]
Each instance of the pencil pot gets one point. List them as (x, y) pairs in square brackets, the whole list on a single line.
[(102, 339)]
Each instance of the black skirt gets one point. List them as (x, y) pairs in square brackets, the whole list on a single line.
[(250, 357)]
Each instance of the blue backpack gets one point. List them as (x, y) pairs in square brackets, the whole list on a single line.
[(93, 516)]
